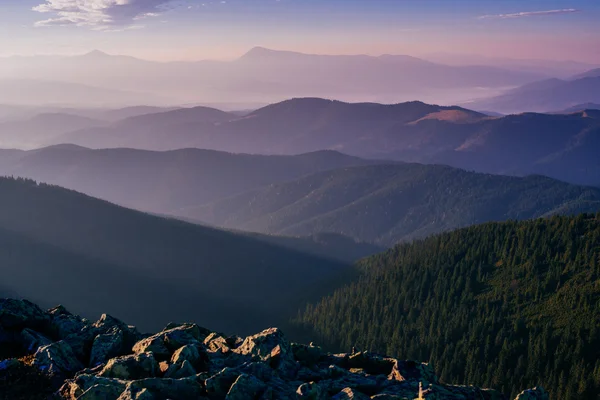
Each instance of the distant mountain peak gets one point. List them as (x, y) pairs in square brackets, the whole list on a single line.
[(258, 52), (96, 53)]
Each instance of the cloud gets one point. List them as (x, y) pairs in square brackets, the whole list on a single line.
[(530, 14), (99, 14)]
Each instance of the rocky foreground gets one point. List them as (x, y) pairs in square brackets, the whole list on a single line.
[(57, 355)]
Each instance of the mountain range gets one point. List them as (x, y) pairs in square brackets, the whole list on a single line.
[(263, 75), (386, 204), (410, 132), (546, 95), (164, 182), (556, 68), (344, 200), (61, 92)]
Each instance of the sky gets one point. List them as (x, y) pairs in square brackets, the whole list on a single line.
[(168, 30)]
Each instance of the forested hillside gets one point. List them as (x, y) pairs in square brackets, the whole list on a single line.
[(505, 305), (60, 246), (163, 182), (385, 204)]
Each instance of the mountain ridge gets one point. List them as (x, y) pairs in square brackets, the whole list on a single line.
[(55, 238), (386, 204)]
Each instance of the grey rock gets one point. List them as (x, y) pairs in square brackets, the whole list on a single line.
[(271, 347), (306, 354), (348, 394), (218, 385), (32, 340), (412, 370), (217, 343), (57, 359), (176, 389), (143, 394), (165, 343), (74, 388), (182, 369), (19, 314), (137, 366), (101, 392), (195, 354), (106, 346), (63, 323), (537, 393), (310, 391), (246, 387)]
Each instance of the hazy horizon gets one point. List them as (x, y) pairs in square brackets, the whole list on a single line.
[(188, 30)]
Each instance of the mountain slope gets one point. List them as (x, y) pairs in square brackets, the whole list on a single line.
[(413, 132), (593, 73), (41, 129), (140, 266), (58, 92), (385, 204), (163, 182), (579, 108), (290, 127), (543, 96), (560, 146), (502, 305)]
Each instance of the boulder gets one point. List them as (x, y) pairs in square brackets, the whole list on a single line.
[(107, 346), (193, 353), (187, 388), (306, 354), (154, 344), (271, 347), (136, 366), (368, 384), (310, 391), (183, 369), (32, 340), (203, 331), (106, 323), (143, 394), (57, 359), (19, 314), (218, 385), (74, 388), (371, 364), (217, 343), (265, 344), (413, 371), (101, 392), (537, 393), (165, 343), (245, 387), (63, 323), (349, 393)]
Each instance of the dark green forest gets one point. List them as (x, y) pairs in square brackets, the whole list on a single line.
[(504, 305), (60, 246), (386, 204)]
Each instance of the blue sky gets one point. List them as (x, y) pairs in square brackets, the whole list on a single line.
[(199, 29)]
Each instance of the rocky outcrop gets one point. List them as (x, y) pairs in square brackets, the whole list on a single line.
[(110, 360), (537, 393)]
